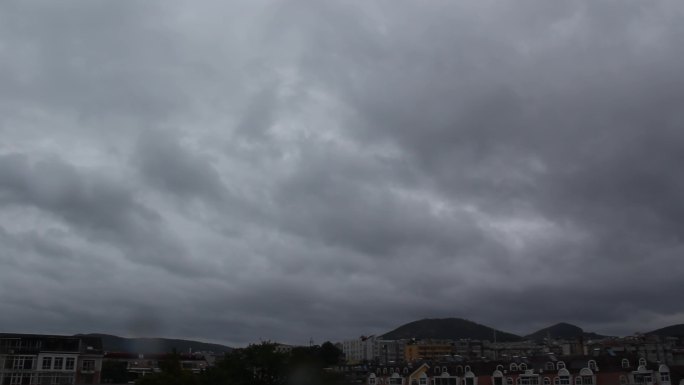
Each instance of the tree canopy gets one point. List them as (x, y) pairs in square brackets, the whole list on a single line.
[(258, 364)]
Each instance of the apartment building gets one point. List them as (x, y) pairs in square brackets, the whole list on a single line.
[(361, 349), (32, 359)]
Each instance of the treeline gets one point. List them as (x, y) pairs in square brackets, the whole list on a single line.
[(257, 365)]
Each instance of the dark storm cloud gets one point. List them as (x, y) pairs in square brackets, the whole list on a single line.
[(169, 167), (296, 169), (97, 208)]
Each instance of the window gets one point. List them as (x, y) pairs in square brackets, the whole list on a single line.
[(18, 379), (592, 365), (499, 367), (550, 366), (423, 381), (59, 363), (18, 363), (642, 361), (509, 381), (665, 377), (88, 365), (371, 381), (467, 368), (47, 363), (513, 367), (564, 380), (625, 363), (70, 362), (560, 365), (547, 381), (23, 362), (556, 381), (523, 367), (578, 380)]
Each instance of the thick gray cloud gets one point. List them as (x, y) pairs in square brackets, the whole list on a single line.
[(289, 170)]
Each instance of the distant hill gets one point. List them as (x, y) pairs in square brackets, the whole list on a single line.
[(448, 328), (112, 343), (564, 331), (669, 331)]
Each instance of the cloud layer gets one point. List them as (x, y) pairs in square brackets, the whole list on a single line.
[(289, 170)]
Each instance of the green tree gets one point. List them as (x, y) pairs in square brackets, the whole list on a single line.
[(258, 364), (171, 374), (115, 372)]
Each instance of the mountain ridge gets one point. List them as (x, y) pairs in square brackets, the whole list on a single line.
[(113, 343), (676, 330), (562, 330), (449, 328)]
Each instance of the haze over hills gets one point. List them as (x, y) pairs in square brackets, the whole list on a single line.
[(113, 343), (449, 328), (442, 328)]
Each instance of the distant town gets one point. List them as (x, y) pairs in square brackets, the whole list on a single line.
[(428, 352)]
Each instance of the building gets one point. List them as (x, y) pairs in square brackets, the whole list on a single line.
[(361, 349), (138, 365), (428, 350), (390, 351), (579, 370), (31, 359)]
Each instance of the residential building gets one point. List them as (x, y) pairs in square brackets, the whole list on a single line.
[(358, 350), (428, 350), (139, 365), (32, 359), (389, 351), (580, 370)]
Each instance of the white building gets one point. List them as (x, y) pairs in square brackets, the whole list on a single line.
[(359, 349)]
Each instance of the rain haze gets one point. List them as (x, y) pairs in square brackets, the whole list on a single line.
[(292, 170)]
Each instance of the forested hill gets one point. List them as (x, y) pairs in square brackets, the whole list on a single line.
[(449, 328), (562, 330)]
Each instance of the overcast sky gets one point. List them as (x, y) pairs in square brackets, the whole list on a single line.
[(285, 170)]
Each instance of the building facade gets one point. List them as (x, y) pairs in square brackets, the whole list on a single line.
[(359, 350), (575, 371), (31, 359)]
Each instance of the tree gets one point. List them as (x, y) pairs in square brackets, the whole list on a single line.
[(115, 372), (171, 373)]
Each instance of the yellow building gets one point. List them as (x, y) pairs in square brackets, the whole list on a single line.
[(428, 351)]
